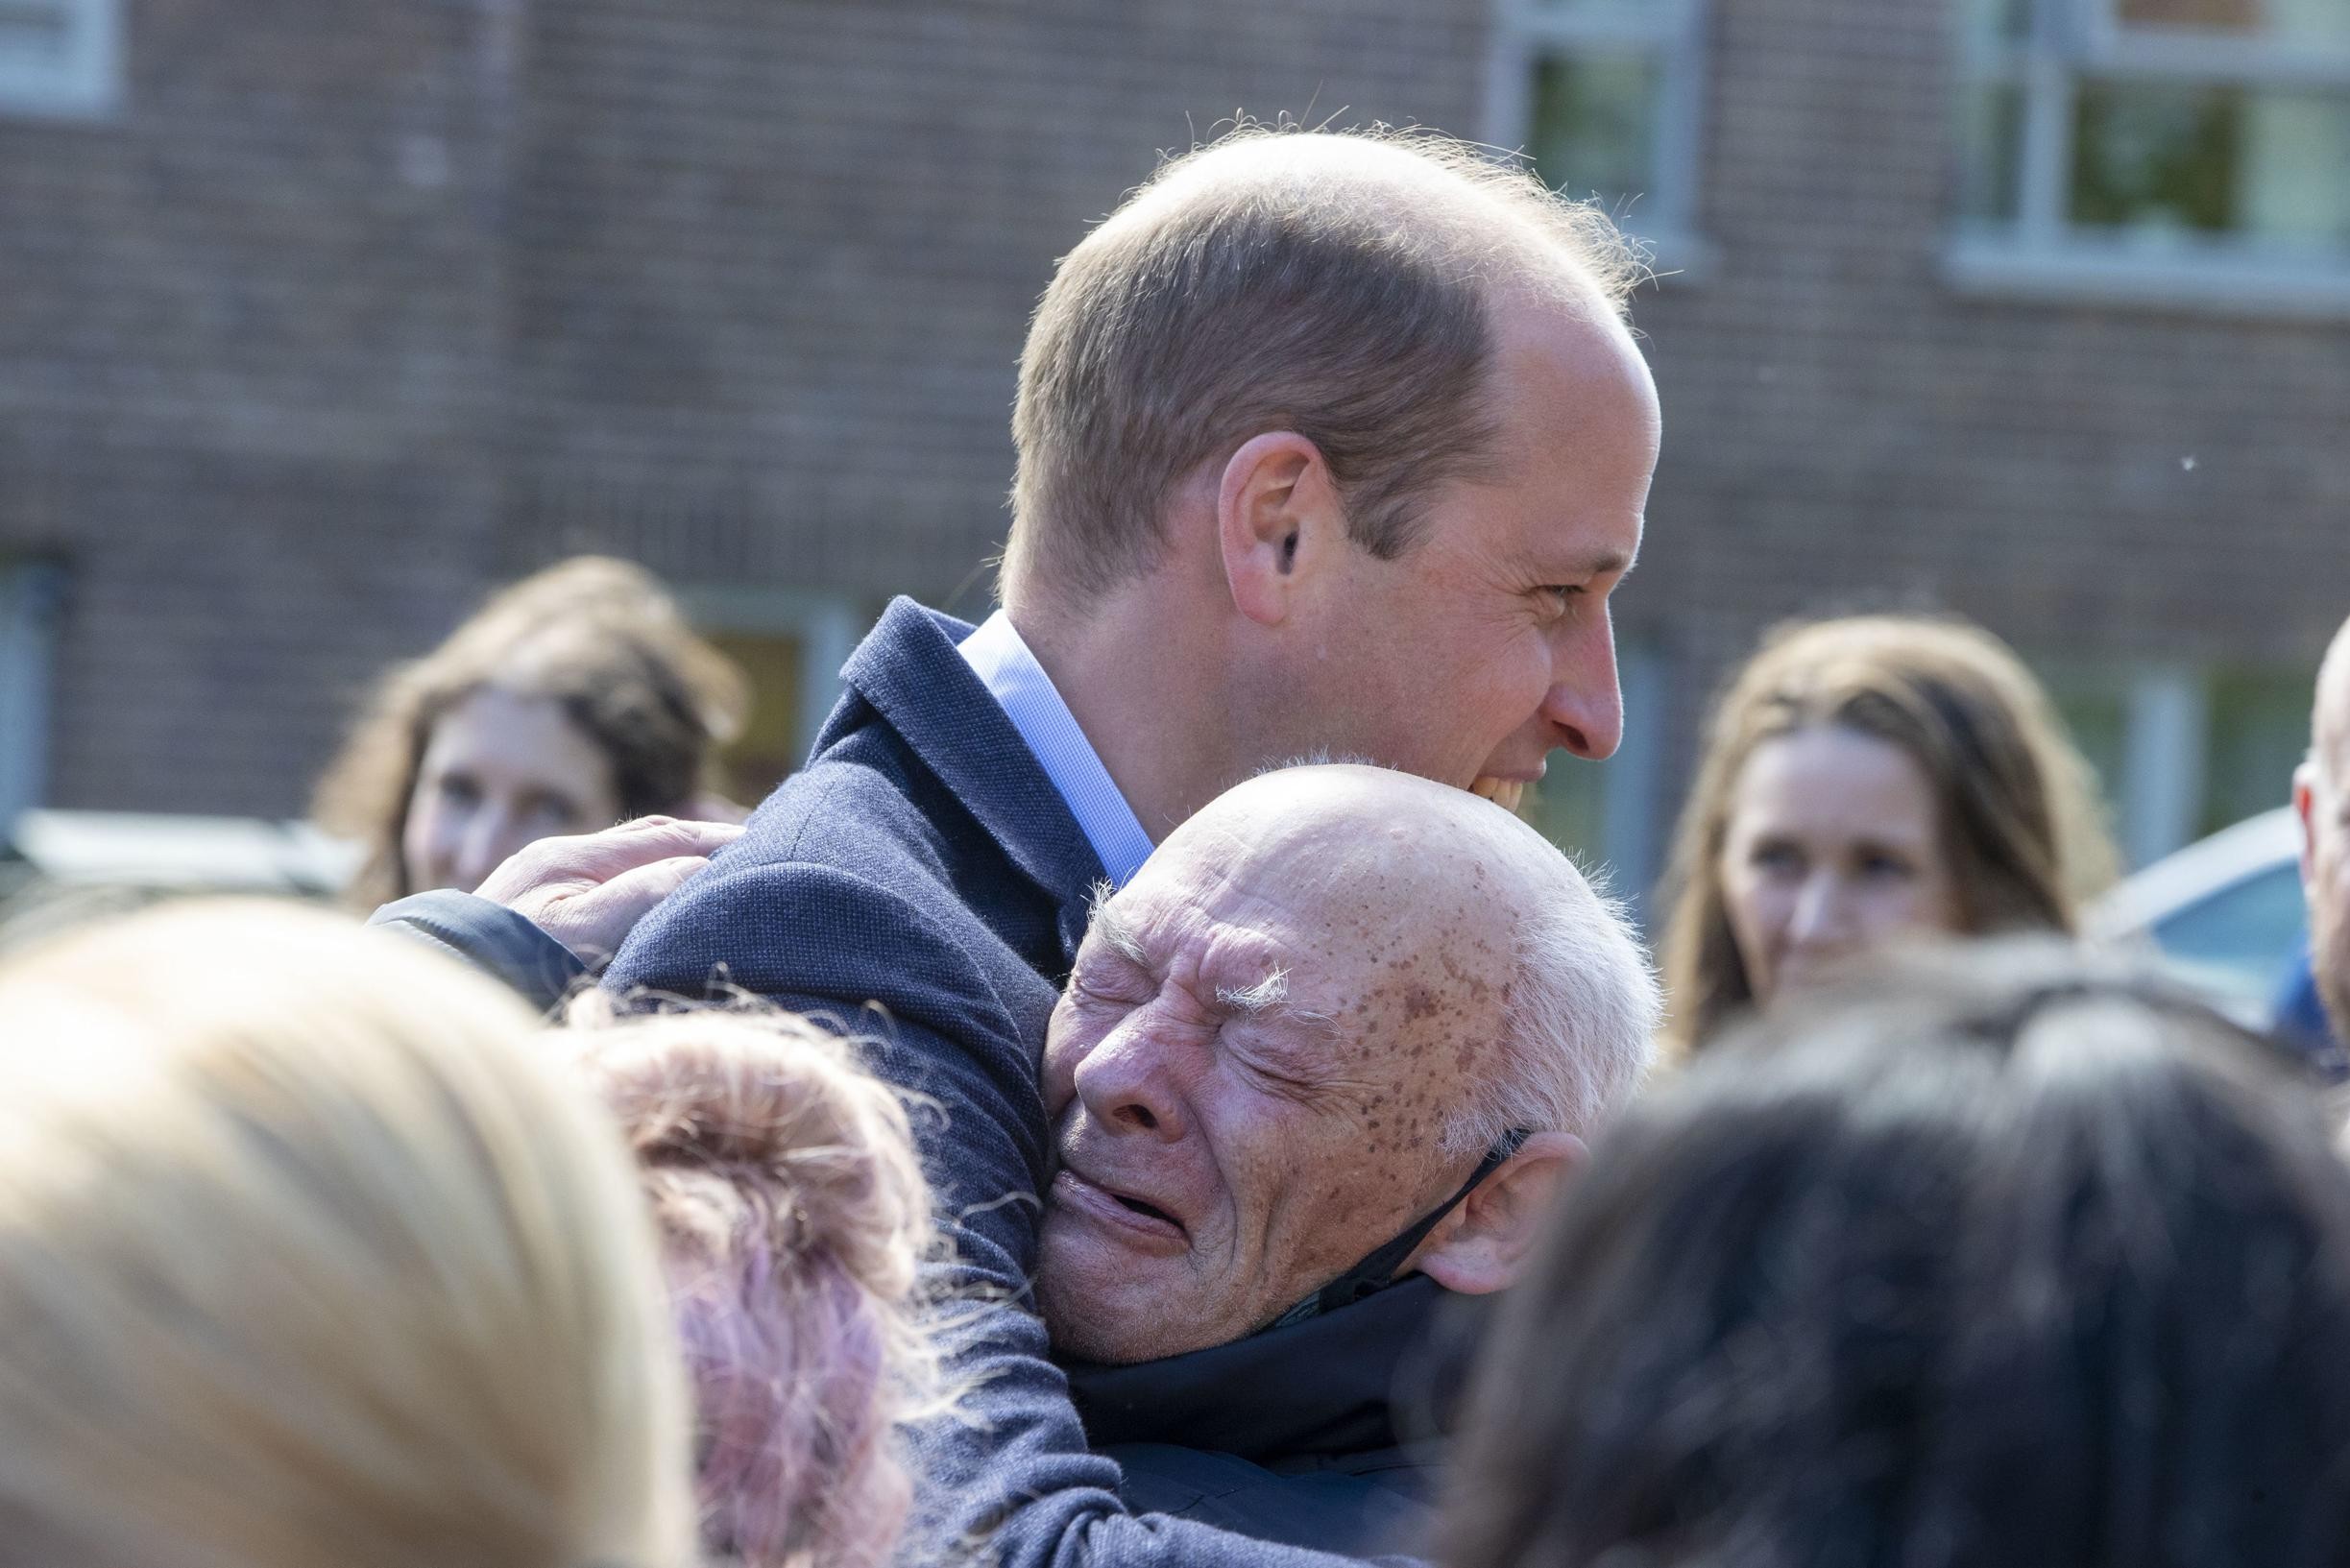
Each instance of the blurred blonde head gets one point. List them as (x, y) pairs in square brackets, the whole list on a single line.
[(2022, 832), (792, 1213), (308, 1256)]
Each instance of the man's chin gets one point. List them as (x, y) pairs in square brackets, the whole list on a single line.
[(1100, 1306)]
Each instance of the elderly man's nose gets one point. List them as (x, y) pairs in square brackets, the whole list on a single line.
[(1124, 1089), (1585, 701)]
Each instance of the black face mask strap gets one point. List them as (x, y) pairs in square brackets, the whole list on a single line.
[(1377, 1273)]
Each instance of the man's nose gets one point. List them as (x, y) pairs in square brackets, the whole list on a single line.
[(1584, 701), (1125, 1085)]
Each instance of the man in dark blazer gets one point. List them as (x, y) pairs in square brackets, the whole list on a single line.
[(1326, 443)]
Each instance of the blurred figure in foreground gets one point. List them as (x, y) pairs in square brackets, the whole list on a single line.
[(2321, 796), (1864, 780), (307, 1255), (792, 1215), (571, 699), (2013, 1260)]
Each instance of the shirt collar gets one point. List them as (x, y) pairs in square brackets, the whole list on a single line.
[(1021, 688)]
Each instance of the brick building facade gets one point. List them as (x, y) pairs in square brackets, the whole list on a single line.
[(316, 322)]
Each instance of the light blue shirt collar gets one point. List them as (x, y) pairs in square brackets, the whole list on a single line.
[(1019, 683)]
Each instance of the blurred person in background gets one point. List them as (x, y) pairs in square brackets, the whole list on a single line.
[(2011, 1258), (571, 699), (310, 1254), (1866, 780), (2321, 798), (792, 1215)]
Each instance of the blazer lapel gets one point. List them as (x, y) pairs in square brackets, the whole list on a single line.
[(910, 670)]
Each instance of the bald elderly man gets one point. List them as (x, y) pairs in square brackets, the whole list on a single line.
[(2321, 796), (1323, 1063)]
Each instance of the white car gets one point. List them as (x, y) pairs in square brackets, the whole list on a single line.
[(2226, 909)]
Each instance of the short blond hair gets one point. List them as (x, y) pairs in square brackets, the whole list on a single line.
[(1336, 284), (308, 1254)]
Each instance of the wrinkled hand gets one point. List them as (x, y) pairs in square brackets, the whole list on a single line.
[(588, 891)]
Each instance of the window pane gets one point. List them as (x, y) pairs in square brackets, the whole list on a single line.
[(2299, 20), (1991, 136), (769, 744), (1568, 805), (1594, 126), (2260, 731), (1999, 21), (34, 26), (2160, 159)]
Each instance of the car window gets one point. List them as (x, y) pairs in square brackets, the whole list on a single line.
[(2251, 927)]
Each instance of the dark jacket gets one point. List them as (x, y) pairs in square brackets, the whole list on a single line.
[(490, 937), (2300, 1020), (923, 864), (1292, 1434)]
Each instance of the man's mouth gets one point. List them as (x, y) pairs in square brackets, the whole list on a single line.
[(1505, 793), (1146, 1223)]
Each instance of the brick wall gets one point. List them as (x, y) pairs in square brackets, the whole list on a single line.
[(248, 339), (343, 317)]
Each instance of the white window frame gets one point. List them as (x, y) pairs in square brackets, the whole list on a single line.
[(1526, 32), (2041, 254), (84, 81)]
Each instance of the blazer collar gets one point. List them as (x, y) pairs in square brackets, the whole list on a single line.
[(909, 669), (1325, 1386)]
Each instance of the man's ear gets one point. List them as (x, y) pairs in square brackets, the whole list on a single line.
[(2305, 806), (1481, 1245), (1277, 517)]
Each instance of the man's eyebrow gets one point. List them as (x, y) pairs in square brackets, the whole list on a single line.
[(1269, 995), (1269, 999), (1111, 926), (1577, 568)]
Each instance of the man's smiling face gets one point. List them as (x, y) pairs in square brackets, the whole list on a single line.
[(1250, 1074)]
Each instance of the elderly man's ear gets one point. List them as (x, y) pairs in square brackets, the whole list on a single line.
[(1481, 1245), (1277, 520)]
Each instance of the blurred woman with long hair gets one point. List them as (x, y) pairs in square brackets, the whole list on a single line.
[(573, 700), (1862, 780)]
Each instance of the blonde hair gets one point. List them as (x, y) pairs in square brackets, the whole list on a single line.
[(1336, 284), (2021, 827), (783, 1180), (307, 1255), (598, 636)]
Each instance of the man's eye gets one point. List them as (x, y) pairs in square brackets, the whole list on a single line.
[(1885, 868), (1092, 992), (1557, 597)]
